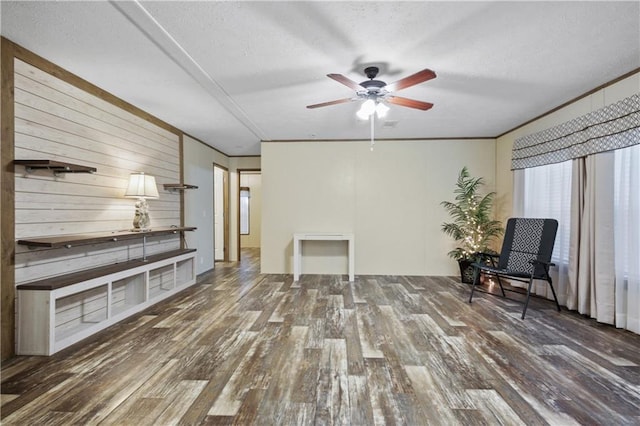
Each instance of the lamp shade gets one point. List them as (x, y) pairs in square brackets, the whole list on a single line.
[(141, 186)]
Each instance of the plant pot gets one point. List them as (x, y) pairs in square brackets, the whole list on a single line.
[(466, 271)]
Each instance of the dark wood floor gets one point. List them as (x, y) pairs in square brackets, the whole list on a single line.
[(245, 348)]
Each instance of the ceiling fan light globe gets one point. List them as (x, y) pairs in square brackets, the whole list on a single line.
[(381, 110), (368, 107)]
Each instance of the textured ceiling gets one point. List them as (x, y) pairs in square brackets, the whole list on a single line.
[(235, 73)]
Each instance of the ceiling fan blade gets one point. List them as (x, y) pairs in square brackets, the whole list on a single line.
[(346, 81), (412, 80), (406, 102), (336, 102)]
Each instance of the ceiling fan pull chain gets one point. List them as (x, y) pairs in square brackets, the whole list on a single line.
[(372, 116)]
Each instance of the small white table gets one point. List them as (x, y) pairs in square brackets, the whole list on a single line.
[(297, 250)]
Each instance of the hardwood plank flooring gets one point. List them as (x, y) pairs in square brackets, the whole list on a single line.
[(241, 348)]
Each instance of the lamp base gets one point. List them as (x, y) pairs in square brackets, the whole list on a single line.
[(141, 220)]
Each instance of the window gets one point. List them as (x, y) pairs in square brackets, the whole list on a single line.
[(547, 194), (244, 210)]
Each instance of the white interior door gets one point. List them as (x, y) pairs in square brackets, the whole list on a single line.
[(218, 212)]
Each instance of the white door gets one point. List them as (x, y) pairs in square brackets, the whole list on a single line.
[(218, 213)]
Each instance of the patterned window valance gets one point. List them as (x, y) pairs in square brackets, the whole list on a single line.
[(612, 127)]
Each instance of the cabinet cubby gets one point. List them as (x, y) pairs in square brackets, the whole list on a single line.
[(127, 293), (161, 280), (80, 311), (185, 271)]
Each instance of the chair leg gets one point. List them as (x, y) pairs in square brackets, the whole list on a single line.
[(501, 288), (526, 303), (476, 277), (554, 293)]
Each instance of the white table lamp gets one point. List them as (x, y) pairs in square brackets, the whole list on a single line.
[(141, 186)]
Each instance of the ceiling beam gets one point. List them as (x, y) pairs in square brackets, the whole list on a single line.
[(155, 32)]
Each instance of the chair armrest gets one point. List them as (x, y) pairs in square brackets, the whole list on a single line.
[(482, 253), (540, 262), (482, 258)]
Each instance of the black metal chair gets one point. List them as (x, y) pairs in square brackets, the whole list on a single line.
[(525, 255)]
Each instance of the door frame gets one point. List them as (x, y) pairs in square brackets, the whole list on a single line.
[(225, 212), (238, 204)]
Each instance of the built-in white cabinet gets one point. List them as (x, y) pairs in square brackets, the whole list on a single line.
[(54, 314)]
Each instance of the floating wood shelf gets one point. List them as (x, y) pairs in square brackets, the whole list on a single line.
[(72, 240), (56, 167), (178, 186)]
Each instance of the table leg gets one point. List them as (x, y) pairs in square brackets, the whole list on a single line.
[(296, 259), (352, 260)]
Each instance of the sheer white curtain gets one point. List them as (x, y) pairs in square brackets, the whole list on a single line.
[(591, 255), (547, 194), (627, 238)]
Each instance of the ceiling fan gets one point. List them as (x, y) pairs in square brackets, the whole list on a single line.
[(378, 91)]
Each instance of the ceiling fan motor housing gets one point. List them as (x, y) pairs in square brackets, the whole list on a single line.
[(373, 84)]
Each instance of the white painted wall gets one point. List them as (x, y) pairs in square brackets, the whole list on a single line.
[(198, 207), (504, 144), (254, 182), (389, 198), (198, 170)]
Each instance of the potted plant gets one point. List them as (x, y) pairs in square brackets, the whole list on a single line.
[(472, 225)]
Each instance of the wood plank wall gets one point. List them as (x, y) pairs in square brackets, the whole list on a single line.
[(60, 116), (56, 120)]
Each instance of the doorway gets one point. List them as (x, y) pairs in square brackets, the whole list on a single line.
[(220, 213), (249, 209)]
